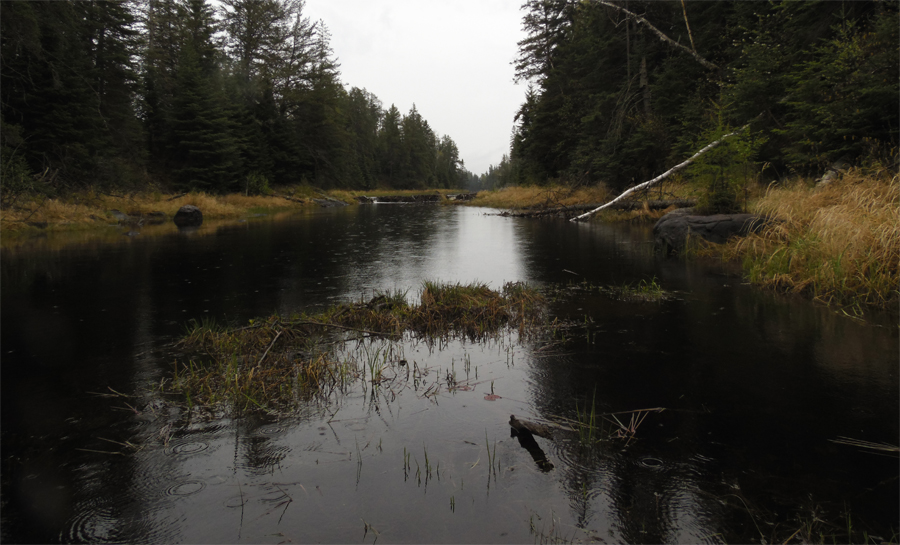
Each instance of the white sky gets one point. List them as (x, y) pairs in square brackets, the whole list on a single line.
[(449, 57)]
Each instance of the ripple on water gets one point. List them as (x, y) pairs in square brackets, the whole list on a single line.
[(186, 447), (262, 458), (93, 522), (270, 430), (235, 501), (185, 488), (651, 463)]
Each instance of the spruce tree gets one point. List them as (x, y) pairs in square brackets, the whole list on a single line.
[(202, 146)]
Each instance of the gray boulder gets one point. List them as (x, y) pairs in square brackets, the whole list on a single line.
[(188, 216), (672, 230)]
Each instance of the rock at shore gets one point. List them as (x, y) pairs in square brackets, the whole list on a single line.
[(672, 230), (188, 216)]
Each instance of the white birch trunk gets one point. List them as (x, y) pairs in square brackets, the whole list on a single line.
[(659, 178)]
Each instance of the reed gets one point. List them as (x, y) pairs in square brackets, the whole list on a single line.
[(838, 244), (587, 423)]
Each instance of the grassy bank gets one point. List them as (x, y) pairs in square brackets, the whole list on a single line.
[(539, 197), (87, 209), (536, 198), (83, 210), (837, 244)]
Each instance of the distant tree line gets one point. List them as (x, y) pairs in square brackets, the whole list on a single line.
[(621, 90), (238, 97)]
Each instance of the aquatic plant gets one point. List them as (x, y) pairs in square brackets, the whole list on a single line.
[(587, 422), (646, 289), (271, 364)]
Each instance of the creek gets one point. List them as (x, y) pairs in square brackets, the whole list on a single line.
[(757, 387)]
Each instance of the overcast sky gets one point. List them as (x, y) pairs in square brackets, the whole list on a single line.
[(449, 57)]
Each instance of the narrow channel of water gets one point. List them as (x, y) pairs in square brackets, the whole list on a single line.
[(756, 387)]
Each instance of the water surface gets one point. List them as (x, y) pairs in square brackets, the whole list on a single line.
[(756, 386)]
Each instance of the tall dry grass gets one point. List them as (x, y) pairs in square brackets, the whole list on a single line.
[(536, 196), (87, 208), (839, 243)]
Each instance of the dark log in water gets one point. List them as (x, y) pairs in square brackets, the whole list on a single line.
[(434, 197), (525, 431), (461, 197), (569, 211), (541, 430)]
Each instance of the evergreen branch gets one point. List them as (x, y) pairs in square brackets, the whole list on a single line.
[(638, 19)]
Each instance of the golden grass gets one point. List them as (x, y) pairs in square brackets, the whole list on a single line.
[(535, 196), (89, 208), (85, 209), (641, 215), (350, 195), (839, 243)]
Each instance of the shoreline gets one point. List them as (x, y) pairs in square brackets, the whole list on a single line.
[(856, 267), (93, 211)]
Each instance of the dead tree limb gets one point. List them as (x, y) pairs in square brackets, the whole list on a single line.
[(638, 19), (662, 176), (688, 25)]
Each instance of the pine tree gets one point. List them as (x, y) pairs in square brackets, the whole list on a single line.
[(390, 140), (67, 79), (202, 145), (364, 115)]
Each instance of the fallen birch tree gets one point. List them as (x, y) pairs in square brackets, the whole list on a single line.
[(659, 178)]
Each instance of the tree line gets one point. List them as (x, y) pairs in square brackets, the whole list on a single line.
[(237, 97), (619, 91)]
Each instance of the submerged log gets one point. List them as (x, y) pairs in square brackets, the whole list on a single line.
[(525, 431), (434, 197), (569, 211), (461, 197), (533, 428)]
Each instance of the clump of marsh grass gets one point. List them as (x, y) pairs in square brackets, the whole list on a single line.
[(646, 289), (474, 310), (839, 243), (273, 363)]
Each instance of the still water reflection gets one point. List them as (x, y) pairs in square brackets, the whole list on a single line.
[(755, 385)]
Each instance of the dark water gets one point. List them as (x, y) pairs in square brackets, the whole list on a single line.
[(756, 386)]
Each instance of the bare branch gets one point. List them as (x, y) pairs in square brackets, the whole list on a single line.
[(638, 19), (688, 25)]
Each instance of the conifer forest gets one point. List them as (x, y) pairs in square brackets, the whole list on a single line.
[(229, 97), (240, 95)]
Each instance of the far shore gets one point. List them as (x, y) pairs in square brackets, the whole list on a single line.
[(840, 245)]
